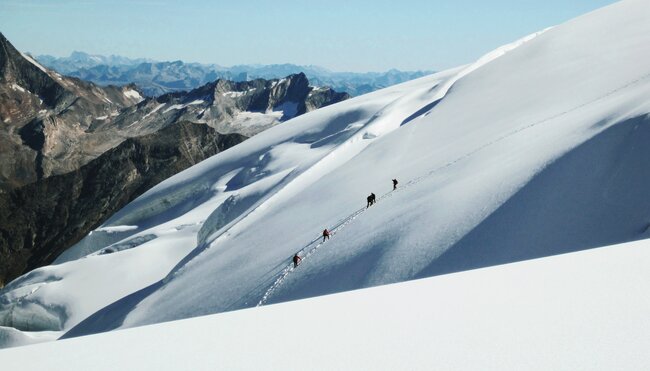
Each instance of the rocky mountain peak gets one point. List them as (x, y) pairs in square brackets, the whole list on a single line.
[(45, 117), (292, 88), (25, 75)]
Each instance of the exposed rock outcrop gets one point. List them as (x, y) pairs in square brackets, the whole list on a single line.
[(40, 220), (44, 119)]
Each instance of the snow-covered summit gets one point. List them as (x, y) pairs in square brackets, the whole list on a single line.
[(536, 149)]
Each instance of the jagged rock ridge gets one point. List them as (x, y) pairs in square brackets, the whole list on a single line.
[(45, 119)]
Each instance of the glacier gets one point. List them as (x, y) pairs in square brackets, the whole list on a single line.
[(536, 149)]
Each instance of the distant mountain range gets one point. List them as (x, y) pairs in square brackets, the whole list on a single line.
[(156, 78), (78, 60)]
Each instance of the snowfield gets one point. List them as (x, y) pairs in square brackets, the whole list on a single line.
[(580, 311), (538, 148), (133, 94)]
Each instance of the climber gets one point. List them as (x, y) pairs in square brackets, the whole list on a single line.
[(394, 184), (326, 234), (371, 200), (296, 260)]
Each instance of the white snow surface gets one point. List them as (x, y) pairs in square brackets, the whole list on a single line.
[(116, 228), (130, 93), (254, 119), (195, 102), (33, 61), (180, 106), (17, 87), (173, 107), (538, 148), (233, 94), (287, 109), (159, 106), (590, 313)]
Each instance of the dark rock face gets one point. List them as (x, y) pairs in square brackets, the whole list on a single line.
[(322, 97), (14, 67), (40, 220), (44, 117)]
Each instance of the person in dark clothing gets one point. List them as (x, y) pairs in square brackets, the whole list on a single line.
[(394, 184), (296, 260), (326, 234), (371, 200)]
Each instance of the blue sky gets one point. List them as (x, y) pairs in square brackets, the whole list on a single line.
[(340, 35)]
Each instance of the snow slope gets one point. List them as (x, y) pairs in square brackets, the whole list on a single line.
[(589, 314), (536, 149)]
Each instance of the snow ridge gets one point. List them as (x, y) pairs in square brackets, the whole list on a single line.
[(315, 245)]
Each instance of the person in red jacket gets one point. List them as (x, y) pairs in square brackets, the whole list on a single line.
[(326, 234), (296, 260)]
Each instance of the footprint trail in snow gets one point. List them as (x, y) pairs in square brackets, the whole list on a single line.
[(315, 245)]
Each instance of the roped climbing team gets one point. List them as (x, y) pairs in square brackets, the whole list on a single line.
[(326, 233)]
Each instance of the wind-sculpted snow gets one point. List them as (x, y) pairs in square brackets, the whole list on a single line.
[(480, 152), (225, 213), (127, 243)]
